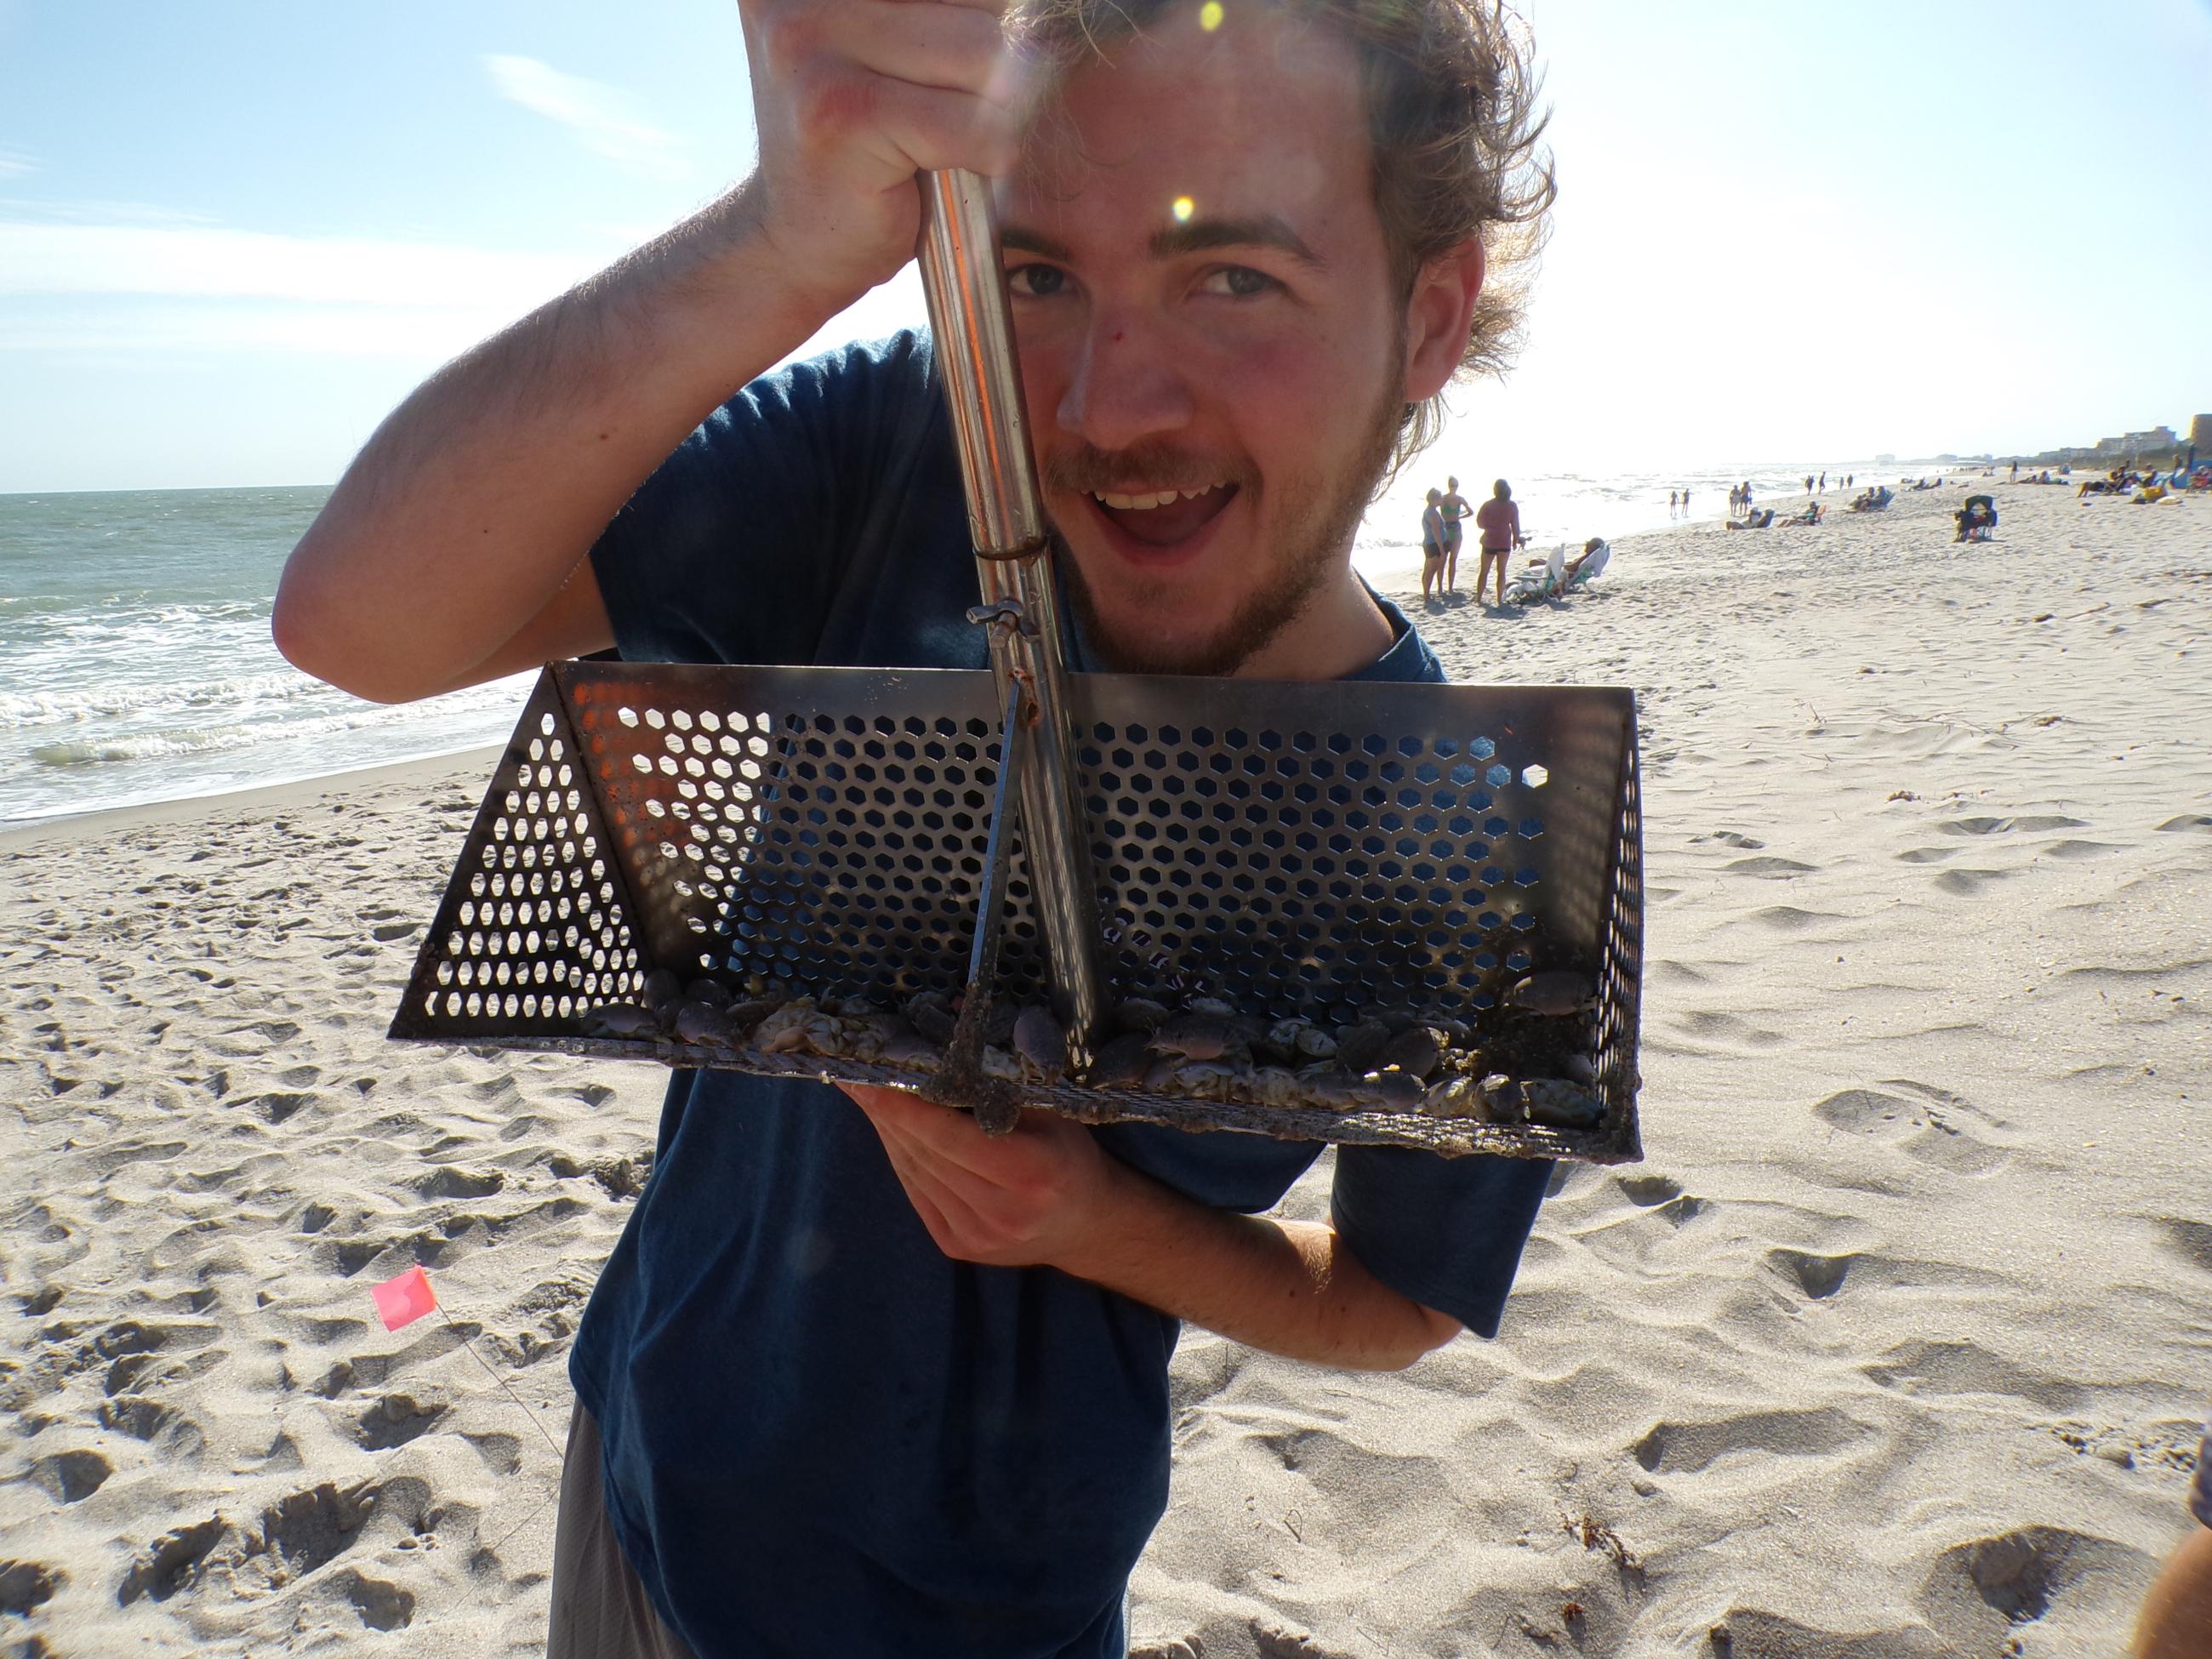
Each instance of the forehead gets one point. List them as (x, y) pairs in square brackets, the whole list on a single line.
[(1262, 113)]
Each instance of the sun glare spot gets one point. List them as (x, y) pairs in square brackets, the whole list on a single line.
[(1183, 208), (1209, 16)]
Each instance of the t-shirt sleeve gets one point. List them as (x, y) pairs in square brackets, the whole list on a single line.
[(1445, 1231), (731, 550)]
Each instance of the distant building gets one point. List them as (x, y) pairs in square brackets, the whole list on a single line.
[(1885, 460), (2200, 434)]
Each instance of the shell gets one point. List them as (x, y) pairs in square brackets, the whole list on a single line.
[(1359, 1048), (1209, 1079), (621, 1019), (909, 1049), (1561, 1104), (1455, 1098), (1195, 1037), (1120, 1061), (1002, 1064), (1554, 995), (1211, 1006), (660, 988), (1416, 1050), (790, 1028), (1039, 1040), (710, 992), (932, 1015), (699, 1022), (866, 1035)]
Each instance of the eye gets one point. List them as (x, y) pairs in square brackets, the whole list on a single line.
[(1236, 282), (1036, 281)]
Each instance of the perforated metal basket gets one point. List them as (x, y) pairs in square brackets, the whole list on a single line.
[(1312, 851)]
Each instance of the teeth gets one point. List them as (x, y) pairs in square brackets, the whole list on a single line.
[(1142, 503)]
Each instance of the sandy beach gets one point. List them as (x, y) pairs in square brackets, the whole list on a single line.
[(1897, 1343)]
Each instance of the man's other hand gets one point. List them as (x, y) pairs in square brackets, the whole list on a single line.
[(1025, 1200)]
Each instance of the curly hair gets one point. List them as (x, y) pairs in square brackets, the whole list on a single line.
[(1451, 92)]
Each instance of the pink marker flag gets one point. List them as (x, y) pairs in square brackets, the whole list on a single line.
[(406, 1299)]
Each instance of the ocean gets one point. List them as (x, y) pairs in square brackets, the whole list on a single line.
[(136, 663)]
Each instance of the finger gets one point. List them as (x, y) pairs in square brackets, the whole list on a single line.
[(950, 48)]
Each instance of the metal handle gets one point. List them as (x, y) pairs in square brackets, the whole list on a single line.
[(974, 338)]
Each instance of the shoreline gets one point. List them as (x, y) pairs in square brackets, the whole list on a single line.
[(289, 793)]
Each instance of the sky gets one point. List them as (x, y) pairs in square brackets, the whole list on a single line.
[(235, 233)]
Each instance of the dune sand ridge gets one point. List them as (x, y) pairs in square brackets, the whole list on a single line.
[(1897, 1343)]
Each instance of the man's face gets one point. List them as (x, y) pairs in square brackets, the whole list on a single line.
[(1211, 344)]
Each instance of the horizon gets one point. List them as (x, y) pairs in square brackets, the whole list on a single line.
[(1766, 224)]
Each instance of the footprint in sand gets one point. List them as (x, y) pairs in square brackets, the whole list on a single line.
[(305, 1529), (172, 1562), (1788, 919), (1927, 1123), (1980, 1594), (1771, 868), (396, 1419), (382, 1606), (26, 1585), (1948, 1368), (2078, 849), (70, 1477), (1686, 1448), (1965, 883), (2192, 1241)]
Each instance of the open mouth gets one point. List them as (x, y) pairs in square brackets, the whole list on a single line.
[(1163, 517)]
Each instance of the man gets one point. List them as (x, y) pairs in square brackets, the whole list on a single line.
[(1499, 520), (867, 1382), (1455, 509)]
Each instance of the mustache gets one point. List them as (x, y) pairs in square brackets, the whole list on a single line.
[(1091, 470)]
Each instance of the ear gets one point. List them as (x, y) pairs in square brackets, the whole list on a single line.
[(1437, 315)]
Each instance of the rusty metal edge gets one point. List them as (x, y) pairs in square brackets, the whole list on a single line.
[(1447, 1137)]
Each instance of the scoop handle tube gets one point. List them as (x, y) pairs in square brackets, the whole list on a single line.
[(974, 330)]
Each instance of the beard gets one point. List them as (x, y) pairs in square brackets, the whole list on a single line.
[(1320, 514)]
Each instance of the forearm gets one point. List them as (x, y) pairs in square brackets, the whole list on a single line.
[(477, 499), (1290, 1287)]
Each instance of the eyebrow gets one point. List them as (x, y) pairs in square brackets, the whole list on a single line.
[(1196, 236)]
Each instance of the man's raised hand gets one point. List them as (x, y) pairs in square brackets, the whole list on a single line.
[(852, 98)]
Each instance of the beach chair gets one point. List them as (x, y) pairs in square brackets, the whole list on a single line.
[(1977, 520)]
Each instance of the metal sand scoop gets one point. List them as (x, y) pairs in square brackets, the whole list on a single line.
[(1355, 911)]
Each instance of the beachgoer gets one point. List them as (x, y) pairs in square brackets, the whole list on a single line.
[(1498, 519), (1808, 483), (1824, 484), (1670, 503), (2175, 1621), (1455, 509), (859, 1380), (1432, 542), (1590, 562)]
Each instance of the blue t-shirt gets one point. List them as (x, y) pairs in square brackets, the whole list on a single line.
[(822, 1436)]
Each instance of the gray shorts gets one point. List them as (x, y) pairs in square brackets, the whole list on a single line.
[(600, 1609), (2200, 1489)]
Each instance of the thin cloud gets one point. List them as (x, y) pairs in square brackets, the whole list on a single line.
[(597, 113), (15, 163), (139, 287), (64, 259)]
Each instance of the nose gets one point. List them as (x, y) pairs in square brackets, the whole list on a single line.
[(1126, 386)]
